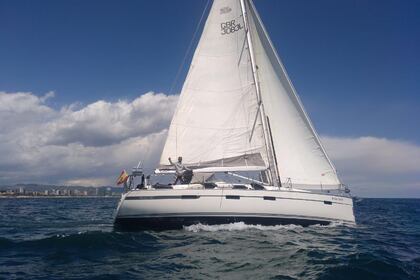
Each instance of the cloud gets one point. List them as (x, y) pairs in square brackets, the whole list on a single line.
[(104, 123), (376, 166), (21, 109), (75, 144), (47, 96), (90, 144)]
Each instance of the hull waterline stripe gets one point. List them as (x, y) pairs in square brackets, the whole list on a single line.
[(231, 214), (167, 223)]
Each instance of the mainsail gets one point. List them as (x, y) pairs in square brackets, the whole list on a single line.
[(214, 117), (217, 121)]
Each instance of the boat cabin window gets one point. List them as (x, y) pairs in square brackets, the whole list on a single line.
[(240, 187), (256, 186), (209, 185)]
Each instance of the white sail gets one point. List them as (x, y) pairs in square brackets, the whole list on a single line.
[(217, 122), (215, 115), (299, 153)]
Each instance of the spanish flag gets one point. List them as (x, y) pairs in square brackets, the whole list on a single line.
[(123, 178)]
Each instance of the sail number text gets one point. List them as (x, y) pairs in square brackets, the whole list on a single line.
[(230, 27)]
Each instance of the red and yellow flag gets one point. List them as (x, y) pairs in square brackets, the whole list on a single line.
[(123, 178)]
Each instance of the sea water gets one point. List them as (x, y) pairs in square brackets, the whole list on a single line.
[(73, 238)]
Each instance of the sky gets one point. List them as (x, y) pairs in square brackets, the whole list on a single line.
[(88, 88)]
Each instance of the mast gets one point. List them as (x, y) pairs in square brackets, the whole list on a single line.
[(273, 168)]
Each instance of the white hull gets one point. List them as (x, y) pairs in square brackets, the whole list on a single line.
[(165, 209)]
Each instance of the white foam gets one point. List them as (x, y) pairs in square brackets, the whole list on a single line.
[(240, 226), (331, 224), (237, 227), (334, 224)]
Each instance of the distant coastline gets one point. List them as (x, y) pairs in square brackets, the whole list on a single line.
[(62, 196), (47, 191)]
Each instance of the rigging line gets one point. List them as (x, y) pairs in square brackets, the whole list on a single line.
[(189, 48), (255, 120), (274, 150)]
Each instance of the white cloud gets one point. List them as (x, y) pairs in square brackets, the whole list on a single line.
[(47, 96), (88, 144), (376, 166), (104, 123), (22, 109)]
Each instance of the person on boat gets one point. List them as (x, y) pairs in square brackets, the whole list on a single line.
[(183, 174), (142, 184)]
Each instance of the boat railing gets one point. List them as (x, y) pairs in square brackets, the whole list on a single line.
[(342, 189), (135, 172)]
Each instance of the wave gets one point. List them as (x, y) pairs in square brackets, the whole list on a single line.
[(94, 240), (4, 242), (334, 224), (241, 226)]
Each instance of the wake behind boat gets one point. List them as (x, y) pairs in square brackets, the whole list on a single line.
[(238, 116)]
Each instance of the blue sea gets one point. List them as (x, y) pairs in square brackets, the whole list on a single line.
[(73, 238)]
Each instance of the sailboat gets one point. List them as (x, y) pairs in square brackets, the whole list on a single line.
[(238, 114)]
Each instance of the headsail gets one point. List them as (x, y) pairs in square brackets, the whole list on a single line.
[(215, 114), (300, 155)]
